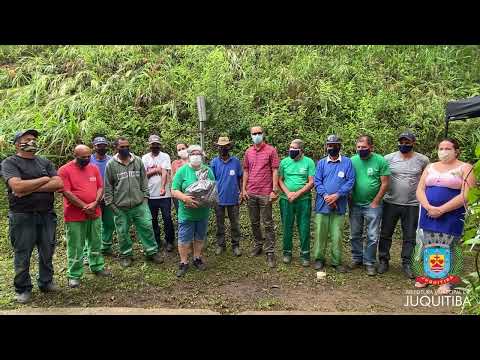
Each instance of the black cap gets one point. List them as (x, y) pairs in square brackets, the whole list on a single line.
[(407, 135), (100, 140), (333, 139), (19, 134)]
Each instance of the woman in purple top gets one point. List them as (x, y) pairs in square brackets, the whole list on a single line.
[(442, 194)]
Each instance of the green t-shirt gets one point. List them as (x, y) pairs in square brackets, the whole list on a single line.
[(295, 174), (182, 179), (367, 177)]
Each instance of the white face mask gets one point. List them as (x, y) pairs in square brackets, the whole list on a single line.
[(257, 139), (182, 154), (446, 155), (195, 160)]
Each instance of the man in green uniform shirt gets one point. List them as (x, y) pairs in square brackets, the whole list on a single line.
[(371, 182), (295, 178)]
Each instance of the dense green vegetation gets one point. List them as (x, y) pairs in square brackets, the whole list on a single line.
[(73, 92)]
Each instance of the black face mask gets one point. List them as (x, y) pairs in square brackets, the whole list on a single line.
[(124, 153), (293, 153), (224, 151), (101, 151), (82, 162), (333, 151), (405, 148), (363, 153), (155, 150)]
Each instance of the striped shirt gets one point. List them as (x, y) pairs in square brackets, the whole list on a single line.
[(260, 164)]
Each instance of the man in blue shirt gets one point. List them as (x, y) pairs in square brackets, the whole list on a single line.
[(100, 159), (334, 179), (228, 174)]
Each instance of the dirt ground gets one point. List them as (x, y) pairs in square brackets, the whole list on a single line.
[(230, 285)]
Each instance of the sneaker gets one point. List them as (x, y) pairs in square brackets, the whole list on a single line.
[(271, 260), (356, 265), (170, 247), (287, 259), (182, 269), (305, 263), (319, 265), (50, 287), (126, 261), (103, 273), (157, 258), (24, 297), (382, 267), (219, 250), (340, 268), (407, 271), (199, 264), (371, 270), (73, 283), (236, 251), (256, 251)]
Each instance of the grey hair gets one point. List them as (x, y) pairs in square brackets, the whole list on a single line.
[(299, 143), (193, 148)]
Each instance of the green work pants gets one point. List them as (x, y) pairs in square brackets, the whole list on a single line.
[(301, 210), (329, 225), (108, 226), (141, 217), (79, 233)]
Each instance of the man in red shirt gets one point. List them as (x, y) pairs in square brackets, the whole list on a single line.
[(82, 191), (260, 189)]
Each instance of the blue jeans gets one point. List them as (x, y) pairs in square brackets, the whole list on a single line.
[(189, 230), (360, 254)]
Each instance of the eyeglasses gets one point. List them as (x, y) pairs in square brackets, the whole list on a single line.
[(257, 133)]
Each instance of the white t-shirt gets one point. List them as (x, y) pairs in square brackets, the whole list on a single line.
[(155, 182)]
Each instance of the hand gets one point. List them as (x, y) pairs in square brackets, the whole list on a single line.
[(162, 191), (291, 196), (273, 196), (190, 202), (374, 204), (240, 198), (330, 199), (245, 195), (435, 212)]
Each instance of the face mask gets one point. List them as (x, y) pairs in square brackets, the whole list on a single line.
[(124, 153), (446, 155), (195, 160), (30, 146), (155, 150), (224, 151), (293, 153), (101, 151), (405, 148), (82, 162), (333, 151), (182, 154), (363, 153), (257, 139)]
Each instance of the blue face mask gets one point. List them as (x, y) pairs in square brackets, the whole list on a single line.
[(363, 153), (124, 153), (257, 139), (405, 148)]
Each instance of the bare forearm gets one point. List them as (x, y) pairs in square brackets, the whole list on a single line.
[(52, 186), (381, 192), (282, 185), (245, 181), (275, 179), (28, 186), (164, 178), (74, 200), (178, 195), (308, 186), (99, 195), (453, 204)]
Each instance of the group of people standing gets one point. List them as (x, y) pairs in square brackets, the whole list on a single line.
[(104, 194)]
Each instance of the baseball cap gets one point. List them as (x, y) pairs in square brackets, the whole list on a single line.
[(19, 134), (407, 135), (333, 139), (100, 140), (223, 140), (154, 139)]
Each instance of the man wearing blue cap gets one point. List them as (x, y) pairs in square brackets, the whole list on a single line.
[(100, 159), (31, 181)]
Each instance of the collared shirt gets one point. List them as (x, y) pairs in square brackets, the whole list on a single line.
[(333, 177), (260, 163), (295, 174), (227, 174), (155, 182), (339, 159), (100, 164), (84, 184)]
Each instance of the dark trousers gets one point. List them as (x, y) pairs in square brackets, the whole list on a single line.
[(233, 212), (408, 216), (28, 230), (165, 206), (260, 209)]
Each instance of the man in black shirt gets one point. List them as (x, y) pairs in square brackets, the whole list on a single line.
[(31, 182)]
